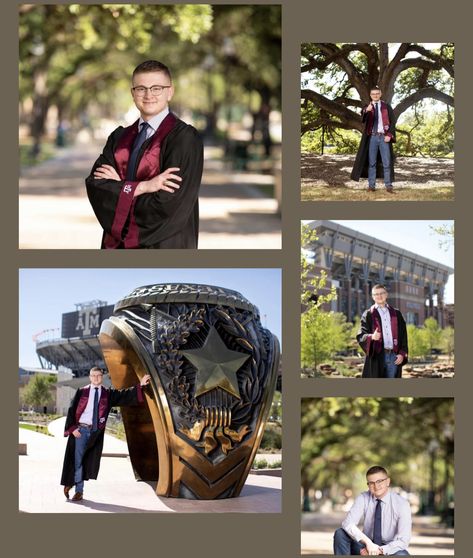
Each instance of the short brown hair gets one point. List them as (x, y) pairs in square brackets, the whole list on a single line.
[(379, 286), (96, 369), (151, 66), (375, 88), (376, 469)]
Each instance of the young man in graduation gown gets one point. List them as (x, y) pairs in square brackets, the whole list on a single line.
[(375, 158), (144, 186), (85, 428), (383, 338)]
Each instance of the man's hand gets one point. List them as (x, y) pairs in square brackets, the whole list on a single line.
[(372, 549), (106, 172), (76, 433), (167, 181), (387, 139), (369, 108), (145, 380), (399, 360), (376, 336)]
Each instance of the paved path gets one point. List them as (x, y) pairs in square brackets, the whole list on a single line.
[(428, 537), (54, 211), (116, 490)]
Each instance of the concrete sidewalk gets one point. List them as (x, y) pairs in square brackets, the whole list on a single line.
[(54, 211), (116, 490)]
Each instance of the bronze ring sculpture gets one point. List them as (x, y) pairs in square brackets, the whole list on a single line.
[(213, 368)]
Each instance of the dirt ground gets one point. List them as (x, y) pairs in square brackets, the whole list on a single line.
[(327, 177)]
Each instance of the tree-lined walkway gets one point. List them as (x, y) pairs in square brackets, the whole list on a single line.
[(54, 211), (428, 536)]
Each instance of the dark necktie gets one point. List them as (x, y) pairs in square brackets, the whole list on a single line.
[(95, 415), (375, 121), (377, 524), (140, 139)]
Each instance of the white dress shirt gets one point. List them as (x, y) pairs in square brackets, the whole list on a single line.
[(386, 325), (88, 413), (154, 122), (377, 106), (396, 522)]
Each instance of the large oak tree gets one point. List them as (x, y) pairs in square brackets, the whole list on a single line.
[(337, 78)]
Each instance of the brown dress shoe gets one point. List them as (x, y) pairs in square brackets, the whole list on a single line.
[(77, 497), (390, 190), (66, 491)]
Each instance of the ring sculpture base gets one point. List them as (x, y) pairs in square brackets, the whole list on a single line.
[(213, 372)]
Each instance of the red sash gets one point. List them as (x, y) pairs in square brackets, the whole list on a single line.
[(378, 345), (148, 167), (384, 116), (104, 406)]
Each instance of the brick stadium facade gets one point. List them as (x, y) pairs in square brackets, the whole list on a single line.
[(354, 262)]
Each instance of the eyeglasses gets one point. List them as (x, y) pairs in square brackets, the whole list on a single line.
[(155, 90), (95, 375), (380, 293), (376, 483)]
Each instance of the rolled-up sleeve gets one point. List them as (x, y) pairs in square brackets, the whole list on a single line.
[(353, 518)]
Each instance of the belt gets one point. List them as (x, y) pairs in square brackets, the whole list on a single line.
[(89, 426), (389, 351), (377, 133)]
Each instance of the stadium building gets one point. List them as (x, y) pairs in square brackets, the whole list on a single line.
[(77, 349), (354, 262)]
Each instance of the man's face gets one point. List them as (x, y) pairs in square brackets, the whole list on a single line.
[(378, 484), (96, 378), (379, 296), (375, 95), (150, 104)]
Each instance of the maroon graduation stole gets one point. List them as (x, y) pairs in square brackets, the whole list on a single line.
[(376, 323), (384, 116), (148, 167), (104, 406)]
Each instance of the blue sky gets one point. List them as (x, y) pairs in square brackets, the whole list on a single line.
[(416, 236), (45, 294)]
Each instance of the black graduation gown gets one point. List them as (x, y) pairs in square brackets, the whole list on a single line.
[(374, 362), (93, 453), (360, 168), (164, 219)]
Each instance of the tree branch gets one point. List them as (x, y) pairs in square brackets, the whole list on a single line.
[(425, 93), (447, 64), (355, 77), (316, 124), (332, 107)]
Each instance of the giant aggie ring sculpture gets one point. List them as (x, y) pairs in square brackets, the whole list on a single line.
[(213, 372)]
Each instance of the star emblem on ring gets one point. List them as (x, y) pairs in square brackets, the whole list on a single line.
[(216, 365)]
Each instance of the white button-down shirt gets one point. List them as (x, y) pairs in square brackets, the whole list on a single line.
[(396, 522), (386, 325), (88, 413), (377, 106), (154, 122)]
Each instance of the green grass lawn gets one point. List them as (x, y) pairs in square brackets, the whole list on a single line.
[(342, 193)]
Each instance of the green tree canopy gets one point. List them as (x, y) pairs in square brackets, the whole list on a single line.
[(342, 437), (37, 392), (337, 78), (70, 55)]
